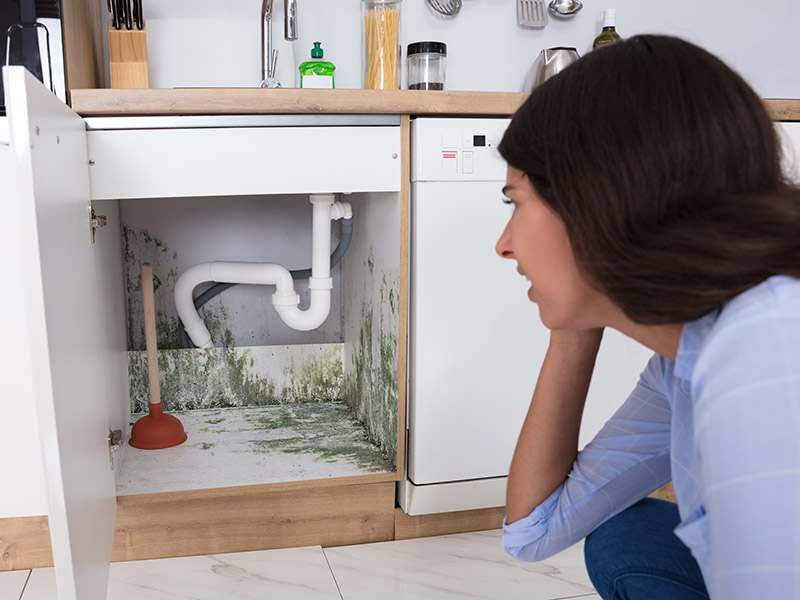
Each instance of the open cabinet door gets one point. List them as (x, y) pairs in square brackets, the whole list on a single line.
[(52, 194)]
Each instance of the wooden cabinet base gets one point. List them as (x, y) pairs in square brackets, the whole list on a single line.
[(222, 520), (406, 526), (25, 543), (218, 521)]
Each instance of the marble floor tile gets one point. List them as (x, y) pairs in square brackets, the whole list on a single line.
[(12, 583), (287, 574), (465, 566)]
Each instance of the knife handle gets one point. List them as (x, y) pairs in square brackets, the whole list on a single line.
[(128, 16), (115, 16)]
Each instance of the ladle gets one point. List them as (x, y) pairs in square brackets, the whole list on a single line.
[(564, 8), (448, 8)]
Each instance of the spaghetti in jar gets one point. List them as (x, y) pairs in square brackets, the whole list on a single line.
[(381, 44)]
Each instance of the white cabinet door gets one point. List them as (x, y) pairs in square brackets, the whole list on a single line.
[(48, 141)]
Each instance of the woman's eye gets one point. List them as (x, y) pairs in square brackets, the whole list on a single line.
[(507, 200)]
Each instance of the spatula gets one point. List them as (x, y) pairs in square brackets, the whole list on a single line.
[(531, 13)]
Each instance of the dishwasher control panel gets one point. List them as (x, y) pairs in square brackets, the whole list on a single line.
[(457, 149)]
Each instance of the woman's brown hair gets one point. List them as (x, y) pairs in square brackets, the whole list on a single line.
[(666, 170)]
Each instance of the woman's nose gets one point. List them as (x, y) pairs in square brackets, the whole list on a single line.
[(503, 246)]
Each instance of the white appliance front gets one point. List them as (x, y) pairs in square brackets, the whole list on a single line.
[(476, 342)]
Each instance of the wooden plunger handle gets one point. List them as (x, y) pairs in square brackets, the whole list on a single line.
[(148, 297)]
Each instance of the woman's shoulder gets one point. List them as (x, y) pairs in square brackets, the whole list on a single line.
[(774, 299), (754, 325)]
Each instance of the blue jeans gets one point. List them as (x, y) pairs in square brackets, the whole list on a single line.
[(636, 556)]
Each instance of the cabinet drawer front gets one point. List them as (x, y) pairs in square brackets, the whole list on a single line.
[(164, 163)]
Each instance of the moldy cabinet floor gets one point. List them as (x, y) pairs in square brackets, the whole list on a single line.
[(468, 565)]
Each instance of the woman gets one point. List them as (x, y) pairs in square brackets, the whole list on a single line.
[(648, 196)]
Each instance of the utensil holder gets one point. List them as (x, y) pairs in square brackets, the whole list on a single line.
[(127, 57)]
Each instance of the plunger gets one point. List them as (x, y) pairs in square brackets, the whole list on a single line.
[(156, 429)]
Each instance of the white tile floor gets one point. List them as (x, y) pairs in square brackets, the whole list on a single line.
[(469, 565)]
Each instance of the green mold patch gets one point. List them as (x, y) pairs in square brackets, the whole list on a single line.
[(138, 246), (327, 432), (370, 387), (197, 379)]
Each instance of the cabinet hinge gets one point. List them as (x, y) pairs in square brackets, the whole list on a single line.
[(96, 221), (114, 444)]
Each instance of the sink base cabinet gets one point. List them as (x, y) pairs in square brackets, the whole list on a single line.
[(79, 311)]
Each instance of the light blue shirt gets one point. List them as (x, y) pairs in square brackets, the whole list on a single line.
[(722, 421)]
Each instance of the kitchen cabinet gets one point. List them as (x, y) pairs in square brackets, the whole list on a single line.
[(72, 281)]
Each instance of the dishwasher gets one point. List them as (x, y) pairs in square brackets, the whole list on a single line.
[(476, 344)]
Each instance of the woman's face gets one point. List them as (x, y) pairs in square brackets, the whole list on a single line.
[(537, 239)]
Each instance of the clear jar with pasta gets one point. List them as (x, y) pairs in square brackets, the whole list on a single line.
[(381, 44)]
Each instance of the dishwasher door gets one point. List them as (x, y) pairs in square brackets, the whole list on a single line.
[(476, 340)]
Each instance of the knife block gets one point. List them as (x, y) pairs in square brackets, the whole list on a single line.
[(127, 57)]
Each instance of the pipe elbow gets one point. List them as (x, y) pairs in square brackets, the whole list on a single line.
[(303, 320), (184, 303)]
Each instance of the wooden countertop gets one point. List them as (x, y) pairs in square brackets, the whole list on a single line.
[(204, 101)]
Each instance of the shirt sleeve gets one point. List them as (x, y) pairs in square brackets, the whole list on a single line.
[(746, 386), (628, 459)]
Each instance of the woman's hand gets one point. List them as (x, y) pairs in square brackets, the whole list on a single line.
[(548, 442)]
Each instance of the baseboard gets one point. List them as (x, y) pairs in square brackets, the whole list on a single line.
[(238, 520), (406, 526), (223, 520), (25, 543)]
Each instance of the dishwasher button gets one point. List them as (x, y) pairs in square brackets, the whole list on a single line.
[(467, 162), (449, 163)]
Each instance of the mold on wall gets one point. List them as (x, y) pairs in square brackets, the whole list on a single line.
[(371, 320), (229, 377), (371, 384)]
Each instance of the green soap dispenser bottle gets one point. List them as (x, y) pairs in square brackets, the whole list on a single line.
[(316, 73)]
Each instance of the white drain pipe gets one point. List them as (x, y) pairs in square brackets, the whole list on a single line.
[(285, 299)]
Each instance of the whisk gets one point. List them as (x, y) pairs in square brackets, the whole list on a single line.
[(447, 8)]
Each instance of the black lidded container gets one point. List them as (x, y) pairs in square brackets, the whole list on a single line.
[(426, 65)]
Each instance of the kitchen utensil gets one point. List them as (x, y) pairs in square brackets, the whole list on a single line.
[(128, 14), (116, 14), (531, 13), (156, 429), (564, 9), (448, 8), (549, 62), (137, 14)]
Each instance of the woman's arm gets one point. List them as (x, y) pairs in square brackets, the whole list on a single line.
[(548, 442), (627, 459)]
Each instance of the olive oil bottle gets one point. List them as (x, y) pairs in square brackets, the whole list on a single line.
[(609, 34)]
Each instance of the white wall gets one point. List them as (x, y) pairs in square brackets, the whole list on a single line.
[(205, 43)]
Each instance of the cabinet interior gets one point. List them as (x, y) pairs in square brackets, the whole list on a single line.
[(268, 404)]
